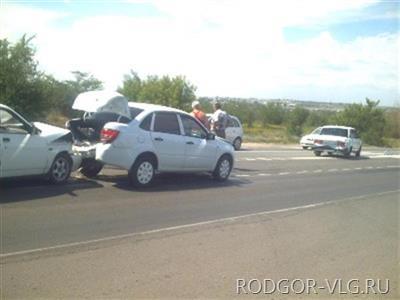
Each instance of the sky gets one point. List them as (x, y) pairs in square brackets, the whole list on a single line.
[(318, 50)]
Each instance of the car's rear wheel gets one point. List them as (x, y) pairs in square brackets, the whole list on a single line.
[(91, 167), (60, 169), (304, 147), (237, 143), (223, 168), (317, 153), (142, 172)]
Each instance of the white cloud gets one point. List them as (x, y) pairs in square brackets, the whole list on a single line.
[(226, 48)]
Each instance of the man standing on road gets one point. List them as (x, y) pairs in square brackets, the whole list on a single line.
[(219, 120), (199, 114)]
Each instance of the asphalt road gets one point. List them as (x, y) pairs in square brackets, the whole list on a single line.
[(35, 215)]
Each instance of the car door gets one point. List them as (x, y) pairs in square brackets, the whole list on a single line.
[(23, 152), (200, 153), (230, 131), (168, 141)]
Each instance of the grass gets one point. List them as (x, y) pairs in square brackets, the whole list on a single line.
[(275, 134)]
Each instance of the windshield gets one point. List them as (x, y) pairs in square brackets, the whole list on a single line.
[(334, 131)]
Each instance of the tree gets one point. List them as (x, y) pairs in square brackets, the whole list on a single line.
[(21, 84), (296, 120), (169, 91), (368, 119), (273, 113)]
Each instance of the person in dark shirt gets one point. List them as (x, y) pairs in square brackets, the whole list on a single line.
[(94, 121)]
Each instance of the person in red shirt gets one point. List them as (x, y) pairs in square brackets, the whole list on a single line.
[(199, 114)]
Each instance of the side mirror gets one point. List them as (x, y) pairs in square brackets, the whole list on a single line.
[(210, 136)]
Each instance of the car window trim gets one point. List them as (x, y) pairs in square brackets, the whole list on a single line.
[(27, 126)]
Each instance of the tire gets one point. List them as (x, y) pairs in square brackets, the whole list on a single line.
[(358, 153), (91, 168), (347, 153), (142, 172), (223, 168), (60, 169), (304, 147), (237, 143), (317, 153)]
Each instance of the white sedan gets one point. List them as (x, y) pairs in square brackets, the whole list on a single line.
[(337, 140), (163, 139), (34, 148)]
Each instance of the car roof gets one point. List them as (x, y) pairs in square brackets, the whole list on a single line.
[(154, 107), (336, 126)]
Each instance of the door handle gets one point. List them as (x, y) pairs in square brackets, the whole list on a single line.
[(189, 143), (158, 139), (6, 140)]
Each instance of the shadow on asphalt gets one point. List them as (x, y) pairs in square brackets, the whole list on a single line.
[(174, 182), (25, 189), (361, 157)]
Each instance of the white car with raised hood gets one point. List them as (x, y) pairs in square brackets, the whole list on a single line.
[(28, 149), (163, 139), (337, 140)]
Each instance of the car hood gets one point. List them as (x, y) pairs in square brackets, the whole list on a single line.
[(52, 133), (309, 137), (102, 101)]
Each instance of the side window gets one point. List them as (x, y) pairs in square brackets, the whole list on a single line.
[(353, 134), (10, 124), (167, 123), (235, 122), (192, 128), (146, 123), (230, 123), (317, 131)]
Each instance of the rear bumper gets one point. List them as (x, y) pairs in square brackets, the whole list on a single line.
[(327, 148), (115, 156)]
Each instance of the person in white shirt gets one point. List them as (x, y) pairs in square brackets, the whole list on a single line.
[(219, 120)]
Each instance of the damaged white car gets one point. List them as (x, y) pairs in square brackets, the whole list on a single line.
[(28, 149), (145, 139)]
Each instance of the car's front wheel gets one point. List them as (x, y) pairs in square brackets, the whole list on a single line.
[(317, 153), (237, 143), (142, 172), (60, 169), (223, 168), (358, 153)]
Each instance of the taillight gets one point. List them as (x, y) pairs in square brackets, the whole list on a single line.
[(341, 144), (108, 135), (318, 141)]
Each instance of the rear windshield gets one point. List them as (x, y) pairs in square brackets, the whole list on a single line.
[(334, 131), (135, 112)]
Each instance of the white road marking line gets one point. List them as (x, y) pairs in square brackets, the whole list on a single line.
[(333, 170), (369, 168), (302, 172), (345, 169), (250, 159), (264, 174), (191, 225), (317, 171), (357, 168), (243, 175), (284, 173), (264, 158)]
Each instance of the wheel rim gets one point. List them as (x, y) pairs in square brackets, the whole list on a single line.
[(60, 169), (145, 172), (224, 168)]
